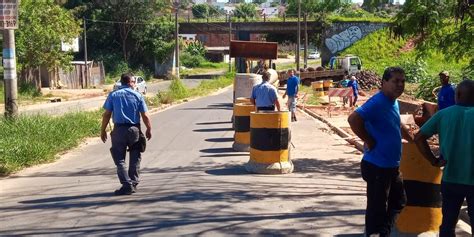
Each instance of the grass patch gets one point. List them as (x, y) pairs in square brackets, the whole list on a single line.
[(205, 67), (310, 99), (31, 140), (177, 90)]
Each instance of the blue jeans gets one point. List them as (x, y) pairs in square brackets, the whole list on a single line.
[(453, 196)]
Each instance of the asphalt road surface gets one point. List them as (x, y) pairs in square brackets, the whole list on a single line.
[(193, 183)]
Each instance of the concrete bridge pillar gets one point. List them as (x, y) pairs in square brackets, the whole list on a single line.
[(240, 65)]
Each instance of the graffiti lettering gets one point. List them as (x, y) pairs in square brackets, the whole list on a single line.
[(344, 39)]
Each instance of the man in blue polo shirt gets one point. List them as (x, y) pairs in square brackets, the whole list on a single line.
[(377, 123), (455, 126), (292, 92), (446, 92), (125, 105), (264, 95)]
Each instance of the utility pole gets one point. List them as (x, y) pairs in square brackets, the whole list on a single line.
[(230, 39), (305, 16), (176, 33), (298, 38), (86, 68), (9, 74)]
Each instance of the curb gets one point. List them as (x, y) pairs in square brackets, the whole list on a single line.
[(343, 134)]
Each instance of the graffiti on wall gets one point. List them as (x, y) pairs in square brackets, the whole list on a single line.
[(344, 39)]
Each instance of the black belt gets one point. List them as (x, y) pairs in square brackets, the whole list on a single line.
[(126, 125)]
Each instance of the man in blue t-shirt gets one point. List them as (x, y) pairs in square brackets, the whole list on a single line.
[(125, 106), (446, 91), (377, 123), (355, 90), (292, 92)]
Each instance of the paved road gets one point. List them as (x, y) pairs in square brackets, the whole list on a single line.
[(193, 183), (95, 102)]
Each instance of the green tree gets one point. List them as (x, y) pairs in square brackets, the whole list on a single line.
[(44, 25), (372, 5), (204, 11), (258, 2), (200, 10), (445, 26), (246, 11), (313, 7)]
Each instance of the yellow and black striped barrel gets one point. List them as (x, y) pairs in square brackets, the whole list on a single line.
[(422, 183), (318, 88), (326, 85), (242, 126), (269, 143)]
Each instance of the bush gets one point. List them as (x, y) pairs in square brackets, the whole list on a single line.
[(195, 48), (29, 90), (426, 87), (177, 91), (415, 70), (191, 61), (147, 74)]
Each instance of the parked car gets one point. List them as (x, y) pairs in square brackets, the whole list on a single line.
[(313, 55), (140, 84)]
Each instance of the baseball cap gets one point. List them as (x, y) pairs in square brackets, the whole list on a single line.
[(446, 73)]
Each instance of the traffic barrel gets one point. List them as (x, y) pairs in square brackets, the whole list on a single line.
[(318, 88), (269, 143), (242, 126), (422, 183)]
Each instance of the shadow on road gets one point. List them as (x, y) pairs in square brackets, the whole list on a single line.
[(213, 130), (225, 106), (212, 123), (335, 166), (218, 150), (232, 170), (220, 139)]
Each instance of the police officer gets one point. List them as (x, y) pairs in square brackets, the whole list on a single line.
[(125, 105)]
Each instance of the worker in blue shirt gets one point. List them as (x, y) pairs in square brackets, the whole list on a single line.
[(378, 124), (264, 95), (355, 90), (125, 106), (292, 87), (446, 91)]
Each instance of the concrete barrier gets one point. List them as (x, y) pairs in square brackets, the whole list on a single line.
[(422, 183), (269, 143), (242, 126)]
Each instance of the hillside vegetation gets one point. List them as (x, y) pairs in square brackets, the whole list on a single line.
[(380, 50)]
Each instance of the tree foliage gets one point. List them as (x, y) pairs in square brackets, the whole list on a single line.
[(444, 25), (204, 11), (313, 7), (126, 33), (245, 11), (372, 5), (43, 26)]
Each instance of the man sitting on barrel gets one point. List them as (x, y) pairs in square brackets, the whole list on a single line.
[(456, 135), (265, 95)]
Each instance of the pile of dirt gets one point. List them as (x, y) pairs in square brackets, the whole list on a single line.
[(368, 80)]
